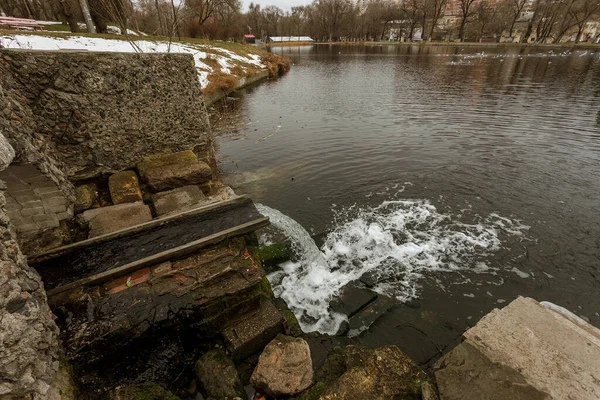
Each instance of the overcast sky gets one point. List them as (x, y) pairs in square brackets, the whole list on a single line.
[(285, 5)]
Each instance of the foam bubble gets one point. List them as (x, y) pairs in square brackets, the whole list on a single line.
[(397, 243)]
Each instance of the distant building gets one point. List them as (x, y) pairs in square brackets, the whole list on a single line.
[(284, 39), (251, 39)]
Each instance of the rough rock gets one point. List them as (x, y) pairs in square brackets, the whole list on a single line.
[(104, 113), (385, 374), (7, 153), (29, 345), (467, 374), (85, 196), (170, 171), (249, 334), (111, 219), (428, 392), (177, 200), (218, 376), (142, 391), (124, 187), (63, 386), (284, 367)]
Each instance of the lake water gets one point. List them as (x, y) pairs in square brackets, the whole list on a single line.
[(462, 176)]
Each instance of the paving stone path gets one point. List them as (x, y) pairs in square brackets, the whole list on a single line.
[(33, 201)]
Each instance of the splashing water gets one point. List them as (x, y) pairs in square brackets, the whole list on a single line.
[(396, 243)]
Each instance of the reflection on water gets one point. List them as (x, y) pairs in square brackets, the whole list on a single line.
[(476, 130)]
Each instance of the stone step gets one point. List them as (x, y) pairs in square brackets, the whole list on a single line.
[(251, 332)]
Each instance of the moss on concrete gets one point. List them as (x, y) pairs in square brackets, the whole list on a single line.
[(160, 160), (274, 254)]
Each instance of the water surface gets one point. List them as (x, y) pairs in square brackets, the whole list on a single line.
[(503, 140)]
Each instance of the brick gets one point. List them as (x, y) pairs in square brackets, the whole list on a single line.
[(161, 268), (55, 209), (13, 206), (32, 204), (49, 189), (55, 201), (44, 185), (26, 199), (46, 221), (50, 195), (26, 212), (120, 284), (36, 178), (64, 215)]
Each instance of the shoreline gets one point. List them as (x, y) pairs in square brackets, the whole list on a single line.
[(435, 44)]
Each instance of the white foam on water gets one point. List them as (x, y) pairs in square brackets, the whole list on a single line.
[(397, 243)]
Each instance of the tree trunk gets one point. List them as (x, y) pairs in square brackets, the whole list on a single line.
[(69, 15), (85, 9), (461, 32)]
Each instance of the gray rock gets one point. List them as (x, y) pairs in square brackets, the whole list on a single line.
[(169, 171), (428, 392), (177, 200), (249, 334), (7, 153), (114, 218), (218, 376), (467, 374), (284, 367)]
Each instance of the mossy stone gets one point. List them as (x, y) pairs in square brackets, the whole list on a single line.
[(141, 391)]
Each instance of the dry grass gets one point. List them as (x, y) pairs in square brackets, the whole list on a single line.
[(276, 65), (218, 81)]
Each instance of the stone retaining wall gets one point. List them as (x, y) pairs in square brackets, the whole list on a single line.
[(106, 111)]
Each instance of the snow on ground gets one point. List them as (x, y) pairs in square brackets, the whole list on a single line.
[(200, 52)]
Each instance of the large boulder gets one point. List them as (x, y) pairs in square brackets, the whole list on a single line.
[(170, 171), (386, 373), (218, 376), (284, 367), (124, 187)]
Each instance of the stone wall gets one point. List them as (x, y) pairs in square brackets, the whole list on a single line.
[(29, 347), (102, 112)]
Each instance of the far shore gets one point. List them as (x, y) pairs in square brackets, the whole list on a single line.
[(426, 43)]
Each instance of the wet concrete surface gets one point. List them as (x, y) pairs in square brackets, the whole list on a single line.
[(104, 256)]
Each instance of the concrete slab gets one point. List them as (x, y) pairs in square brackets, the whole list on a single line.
[(111, 219), (352, 298), (467, 374), (552, 353), (177, 200)]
